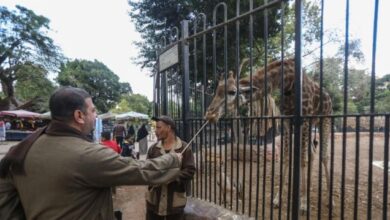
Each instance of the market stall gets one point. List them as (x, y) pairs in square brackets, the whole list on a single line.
[(20, 123)]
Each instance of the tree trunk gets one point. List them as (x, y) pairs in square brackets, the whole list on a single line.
[(10, 101)]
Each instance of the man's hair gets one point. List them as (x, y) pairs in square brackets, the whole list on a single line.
[(65, 100), (166, 120), (106, 135)]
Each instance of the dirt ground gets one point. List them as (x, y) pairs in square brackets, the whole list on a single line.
[(269, 185), (130, 199)]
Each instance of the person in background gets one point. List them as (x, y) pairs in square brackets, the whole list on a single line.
[(142, 139), (130, 132), (119, 133), (2, 131), (129, 148), (167, 201), (7, 125), (108, 142), (58, 173)]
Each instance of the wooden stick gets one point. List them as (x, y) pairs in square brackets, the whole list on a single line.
[(193, 138)]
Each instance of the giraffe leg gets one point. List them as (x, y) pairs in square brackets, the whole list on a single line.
[(304, 155), (326, 168), (324, 153), (284, 162), (306, 190)]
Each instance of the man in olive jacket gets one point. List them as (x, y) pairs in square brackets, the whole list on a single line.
[(167, 201), (56, 173)]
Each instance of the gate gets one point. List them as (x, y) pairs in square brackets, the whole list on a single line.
[(267, 157)]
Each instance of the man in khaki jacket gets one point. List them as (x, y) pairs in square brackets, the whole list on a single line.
[(56, 173), (167, 201)]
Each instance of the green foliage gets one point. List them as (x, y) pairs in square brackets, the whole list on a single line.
[(33, 84), (359, 84), (122, 107), (155, 19), (382, 95), (382, 102), (134, 102), (95, 78), (332, 81), (24, 38), (352, 108), (23, 41)]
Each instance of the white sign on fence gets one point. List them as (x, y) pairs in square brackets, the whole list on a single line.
[(169, 58)]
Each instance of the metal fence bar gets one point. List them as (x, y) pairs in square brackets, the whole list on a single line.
[(258, 169), (186, 80), (237, 122), (215, 163), (218, 164), (282, 121), (332, 146), (231, 165), (386, 169), (345, 110), (298, 111), (194, 150), (290, 195), (232, 20), (357, 157), (273, 121), (210, 151), (195, 60), (309, 170), (250, 105), (321, 132), (225, 58), (204, 54), (187, 105), (372, 111)]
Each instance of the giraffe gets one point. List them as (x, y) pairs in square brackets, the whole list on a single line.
[(217, 106), (216, 109), (310, 106)]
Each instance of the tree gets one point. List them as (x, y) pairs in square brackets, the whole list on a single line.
[(332, 81), (95, 78), (382, 95), (30, 77), (23, 40), (134, 102), (157, 19), (359, 87), (122, 107), (153, 18)]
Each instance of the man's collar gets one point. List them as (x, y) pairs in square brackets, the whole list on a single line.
[(176, 145)]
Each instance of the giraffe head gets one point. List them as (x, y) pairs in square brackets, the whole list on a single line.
[(256, 90), (217, 106), (249, 92)]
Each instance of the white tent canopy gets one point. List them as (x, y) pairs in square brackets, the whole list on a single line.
[(46, 115), (123, 116), (107, 115), (20, 114), (131, 115)]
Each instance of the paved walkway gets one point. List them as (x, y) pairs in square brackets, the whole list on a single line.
[(5, 146)]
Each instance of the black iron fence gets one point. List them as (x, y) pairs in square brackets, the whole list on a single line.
[(285, 142)]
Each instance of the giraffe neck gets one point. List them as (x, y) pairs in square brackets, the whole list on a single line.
[(274, 71)]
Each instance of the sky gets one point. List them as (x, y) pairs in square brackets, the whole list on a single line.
[(102, 30), (361, 27), (95, 29)]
